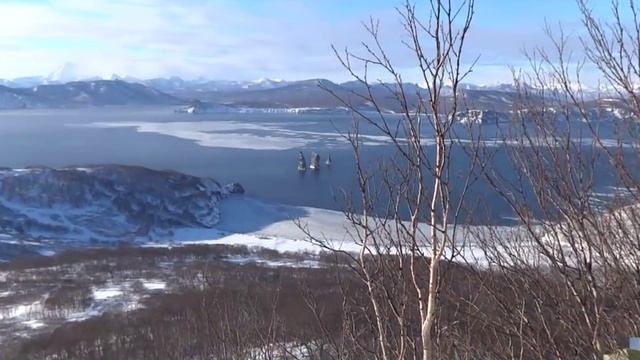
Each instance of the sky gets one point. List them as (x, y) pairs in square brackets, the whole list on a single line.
[(250, 39)]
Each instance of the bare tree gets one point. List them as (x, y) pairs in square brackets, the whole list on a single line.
[(407, 210), (569, 284)]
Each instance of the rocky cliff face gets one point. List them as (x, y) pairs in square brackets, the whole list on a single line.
[(102, 204)]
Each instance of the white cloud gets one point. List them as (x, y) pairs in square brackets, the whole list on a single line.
[(151, 38), (192, 38)]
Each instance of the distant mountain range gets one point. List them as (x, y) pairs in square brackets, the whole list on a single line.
[(64, 88), (262, 94), (70, 72), (84, 93), (66, 73)]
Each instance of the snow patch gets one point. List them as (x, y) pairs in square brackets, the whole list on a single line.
[(154, 284), (34, 324), (27, 311), (106, 293)]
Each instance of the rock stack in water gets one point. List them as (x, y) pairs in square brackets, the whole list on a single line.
[(302, 164), (315, 161)]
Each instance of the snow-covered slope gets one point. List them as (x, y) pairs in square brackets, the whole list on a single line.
[(43, 208), (66, 73)]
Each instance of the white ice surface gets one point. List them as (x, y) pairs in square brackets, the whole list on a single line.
[(278, 136), (255, 223), (238, 134)]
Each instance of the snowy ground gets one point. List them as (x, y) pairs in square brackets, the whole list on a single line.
[(244, 221), (251, 222), (41, 297), (254, 223)]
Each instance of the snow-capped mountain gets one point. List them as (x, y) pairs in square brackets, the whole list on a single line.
[(267, 95), (23, 82), (64, 74), (70, 72), (130, 79), (508, 87), (177, 85), (67, 72), (52, 208), (84, 93), (264, 83)]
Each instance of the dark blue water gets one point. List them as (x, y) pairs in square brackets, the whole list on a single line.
[(71, 137)]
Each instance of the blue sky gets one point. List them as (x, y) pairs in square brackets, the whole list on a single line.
[(247, 39)]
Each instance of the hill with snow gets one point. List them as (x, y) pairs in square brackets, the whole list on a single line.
[(44, 209)]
